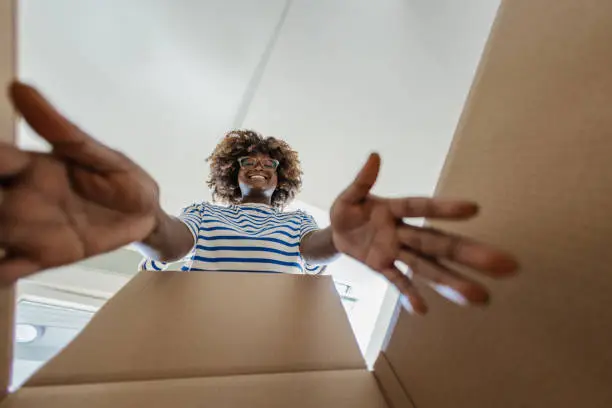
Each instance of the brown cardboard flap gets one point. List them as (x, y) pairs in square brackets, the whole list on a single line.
[(391, 387), (181, 325), (337, 389), (8, 10), (7, 319), (534, 147)]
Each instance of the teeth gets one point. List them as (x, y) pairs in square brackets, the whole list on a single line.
[(258, 177)]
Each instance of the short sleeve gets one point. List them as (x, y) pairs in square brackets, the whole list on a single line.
[(307, 226), (151, 265), (191, 217)]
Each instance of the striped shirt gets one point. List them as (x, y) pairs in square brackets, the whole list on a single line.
[(244, 238)]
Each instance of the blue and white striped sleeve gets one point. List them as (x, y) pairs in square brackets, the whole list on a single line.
[(309, 225), (151, 265), (191, 217)]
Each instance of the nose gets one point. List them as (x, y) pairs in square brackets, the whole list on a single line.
[(258, 165)]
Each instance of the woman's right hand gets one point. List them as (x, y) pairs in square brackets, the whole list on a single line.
[(80, 200)]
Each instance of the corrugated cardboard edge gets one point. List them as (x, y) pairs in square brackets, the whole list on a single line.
[(467, 108), (8, 58), (391, 387), (310, 389), (394, 391), (397, 393)]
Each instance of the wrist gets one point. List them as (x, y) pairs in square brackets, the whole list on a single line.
[(330, 243), (159, 223), (318, 247), (333, 240)]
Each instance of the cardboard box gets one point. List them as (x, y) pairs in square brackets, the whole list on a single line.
[(7, 134), (533, 146), (214, 339)]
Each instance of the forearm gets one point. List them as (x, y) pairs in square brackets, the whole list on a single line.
[(317, 248), (170, 241)]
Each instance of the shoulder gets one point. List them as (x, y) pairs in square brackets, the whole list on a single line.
[(299, 214), (293, 213), (202, 206)]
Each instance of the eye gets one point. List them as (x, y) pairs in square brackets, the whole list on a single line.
[(270, 164), (247, 162)]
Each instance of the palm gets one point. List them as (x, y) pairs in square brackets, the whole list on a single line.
[(372, 230), (365, 231), (81, 200)]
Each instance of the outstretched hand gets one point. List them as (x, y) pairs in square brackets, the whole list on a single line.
[(80, 200), (372, 230)]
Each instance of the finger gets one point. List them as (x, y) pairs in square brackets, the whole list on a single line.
[(13, 269), (363, 183), (12, 160), (448, 283), (432, 208), (67, 139), (438, 244), (410, 297)]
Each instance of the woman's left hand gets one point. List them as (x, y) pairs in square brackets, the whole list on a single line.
[(371, 230)]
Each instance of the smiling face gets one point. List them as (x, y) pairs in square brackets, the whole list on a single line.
[(258, 175), (255, 181)]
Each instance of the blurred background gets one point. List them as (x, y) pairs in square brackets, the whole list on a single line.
[(163, 80)]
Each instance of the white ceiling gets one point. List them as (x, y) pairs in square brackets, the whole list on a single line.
[(350, 77), (162, 80)]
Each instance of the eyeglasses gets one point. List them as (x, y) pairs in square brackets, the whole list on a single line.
[(251, 162)]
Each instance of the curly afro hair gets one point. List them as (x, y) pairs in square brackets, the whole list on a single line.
[(224, 166)]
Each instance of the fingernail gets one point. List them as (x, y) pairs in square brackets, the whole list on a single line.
[(406, 304), (451, 294), (420, 310)]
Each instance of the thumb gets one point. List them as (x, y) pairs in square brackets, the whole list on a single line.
[(363, 183), (66, 138)]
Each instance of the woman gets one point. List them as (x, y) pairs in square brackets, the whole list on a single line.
[(85, 199), (257, 177)]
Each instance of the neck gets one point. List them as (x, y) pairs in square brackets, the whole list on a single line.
[(256, 199)]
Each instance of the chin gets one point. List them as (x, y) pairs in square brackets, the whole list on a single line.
[(263, 188), (259, 186)]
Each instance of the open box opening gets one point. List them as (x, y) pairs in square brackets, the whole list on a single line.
[(533, 147)]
